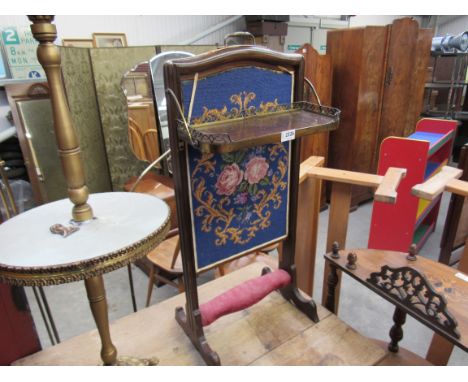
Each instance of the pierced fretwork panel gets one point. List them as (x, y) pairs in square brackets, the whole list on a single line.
[(413, 290)]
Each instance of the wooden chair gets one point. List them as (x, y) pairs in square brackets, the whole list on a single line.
[(150, 141), (166, 257), (136, 140), (166, 264)]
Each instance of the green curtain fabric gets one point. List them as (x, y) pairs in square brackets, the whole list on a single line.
[(92, 79), (79, 84), (109, 65), (195, 49)]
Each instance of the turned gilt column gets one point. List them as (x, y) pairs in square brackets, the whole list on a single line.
[(67, 142)]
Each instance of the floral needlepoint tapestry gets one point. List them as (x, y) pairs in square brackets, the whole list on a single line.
[(239, 199)]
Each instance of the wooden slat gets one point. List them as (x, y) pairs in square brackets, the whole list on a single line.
[(350, 177), (312, 161), (434, 186), (458, 187), (339, 346), (386, 192), (272, 332), (307, 227)]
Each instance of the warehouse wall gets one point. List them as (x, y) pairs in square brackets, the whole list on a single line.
[(454, 25), (362, 20), (140, 30), (313, 29)]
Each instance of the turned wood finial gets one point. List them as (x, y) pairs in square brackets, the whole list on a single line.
[(352, 259), (335, 250), (413, 251), (48, 55)]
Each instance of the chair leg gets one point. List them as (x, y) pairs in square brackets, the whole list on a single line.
[(180, 284), (150, 285), (132, 288)]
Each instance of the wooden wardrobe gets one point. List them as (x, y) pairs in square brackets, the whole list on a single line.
[(378, 84), (318, 70)]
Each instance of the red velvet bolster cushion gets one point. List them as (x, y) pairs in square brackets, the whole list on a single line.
[(243, 295)]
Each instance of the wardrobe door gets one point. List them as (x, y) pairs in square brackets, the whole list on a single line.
[(418, 79), (407, 59), (318, 70), (366, 137), (358, 61), (345, 49)]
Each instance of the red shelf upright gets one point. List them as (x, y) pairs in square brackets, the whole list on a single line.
[(411, 220)]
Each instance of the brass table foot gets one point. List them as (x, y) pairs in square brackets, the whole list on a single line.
[(135, 361)]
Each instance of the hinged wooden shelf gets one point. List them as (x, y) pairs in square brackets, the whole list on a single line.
[(239, 131)]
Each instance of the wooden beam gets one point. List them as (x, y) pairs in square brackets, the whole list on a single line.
[(386, 192), (308, 164), (458, 187), (434, 186), (349, 177), (307, 224)]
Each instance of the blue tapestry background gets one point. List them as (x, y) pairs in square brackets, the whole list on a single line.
[(239, 199)]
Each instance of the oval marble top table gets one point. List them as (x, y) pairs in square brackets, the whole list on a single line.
[(127, 226)]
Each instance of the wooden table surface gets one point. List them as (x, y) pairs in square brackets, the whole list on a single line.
[(441, 277), (272, 332)]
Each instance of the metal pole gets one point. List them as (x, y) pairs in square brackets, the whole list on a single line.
[(49, 314), (41, 309)]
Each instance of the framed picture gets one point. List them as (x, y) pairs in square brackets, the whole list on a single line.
[(78, 42), (109, 40), (136, 84)]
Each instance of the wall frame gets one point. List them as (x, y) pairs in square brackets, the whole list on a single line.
[(109, 40), (78, 42)]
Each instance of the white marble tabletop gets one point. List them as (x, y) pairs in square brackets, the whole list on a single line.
[(122, 221)]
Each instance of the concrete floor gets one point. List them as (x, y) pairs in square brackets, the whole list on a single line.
[(359, 307)]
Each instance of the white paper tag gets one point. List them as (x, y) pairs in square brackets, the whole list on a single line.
[(288, 135), (461, 276)]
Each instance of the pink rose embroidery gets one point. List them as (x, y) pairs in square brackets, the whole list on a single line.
[(229, 179), (255, 170)]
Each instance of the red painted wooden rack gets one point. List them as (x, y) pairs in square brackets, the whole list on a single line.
[(423, 153)]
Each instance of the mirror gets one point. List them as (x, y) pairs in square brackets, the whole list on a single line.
[(147, 115), (157, 76), (143, 133)]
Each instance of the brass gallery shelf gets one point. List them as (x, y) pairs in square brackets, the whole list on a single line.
[(239, 131)]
